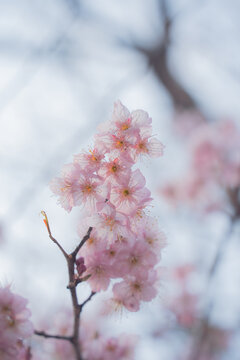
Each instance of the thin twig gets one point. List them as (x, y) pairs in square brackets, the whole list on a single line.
[(48, 336), (87, 300), (85, 238), (50, 235), (200, 332)]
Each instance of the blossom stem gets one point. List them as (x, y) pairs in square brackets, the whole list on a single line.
[(48, 336), (87, 300), (77, 308), (84, 239)]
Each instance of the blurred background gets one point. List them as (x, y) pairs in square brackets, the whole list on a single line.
[(63, 63)]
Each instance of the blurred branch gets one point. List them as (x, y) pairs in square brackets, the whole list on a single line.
[(157, 58), (200, 332)]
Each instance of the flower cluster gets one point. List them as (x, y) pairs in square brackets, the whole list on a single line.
[(184, 305), (183, 302), (95, 342), (213, 179), (14, 325), (97, 346), (125, 242)]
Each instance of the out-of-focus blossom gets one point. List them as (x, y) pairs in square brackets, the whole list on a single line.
[(94, 342), (213, 180), (15, 325)]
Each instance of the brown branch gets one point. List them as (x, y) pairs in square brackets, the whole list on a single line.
[(85, 238), (77, 308), (78, 281), (48, 336), (157, 57), (87, 300), (200, 332), (50, 235)]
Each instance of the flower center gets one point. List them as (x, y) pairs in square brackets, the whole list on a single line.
[(98, 270), (137, 286), (134, 260), (114, 168), (119, 144), (94, 158), (142, 147), (126, 192), (109, 221), (88, 188), (150, 241), (125, 126)]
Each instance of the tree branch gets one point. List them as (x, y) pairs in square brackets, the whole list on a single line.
[(48, 336), (87, 300), (85, 238), (51, 237), (200, 332), (77, 308)]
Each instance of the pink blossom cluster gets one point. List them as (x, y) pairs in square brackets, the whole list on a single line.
[(94, 341), (184, 303), (15, 325), (214, 172), (125, 242)]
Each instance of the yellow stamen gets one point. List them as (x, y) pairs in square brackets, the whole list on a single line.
[(126, 192), (119, 143), (142, 147), (93, 157), (114, 168), (87, 188), (125, 126), (134, 260), (137, 286)]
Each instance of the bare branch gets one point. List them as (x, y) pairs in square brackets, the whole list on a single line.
[(59, 337), (73, 282), (85, 238), (51, 237), (87, 300), (200, 332)]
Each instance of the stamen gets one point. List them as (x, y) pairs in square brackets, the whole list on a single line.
[(126, 192), (134, 260)]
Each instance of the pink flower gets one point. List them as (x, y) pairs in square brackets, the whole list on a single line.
[(153, 237), (114, 169), (110, 224), (144, 146), (123, 243), (89, 161), (116, 144), (14, 323), (100, 271), (142, 121), (90, 191), (134, 289), (130, 193), (137, 258), (121, 117), (66, 185)]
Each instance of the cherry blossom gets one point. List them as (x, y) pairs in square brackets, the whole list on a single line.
[(15, 325), (125, 243)]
